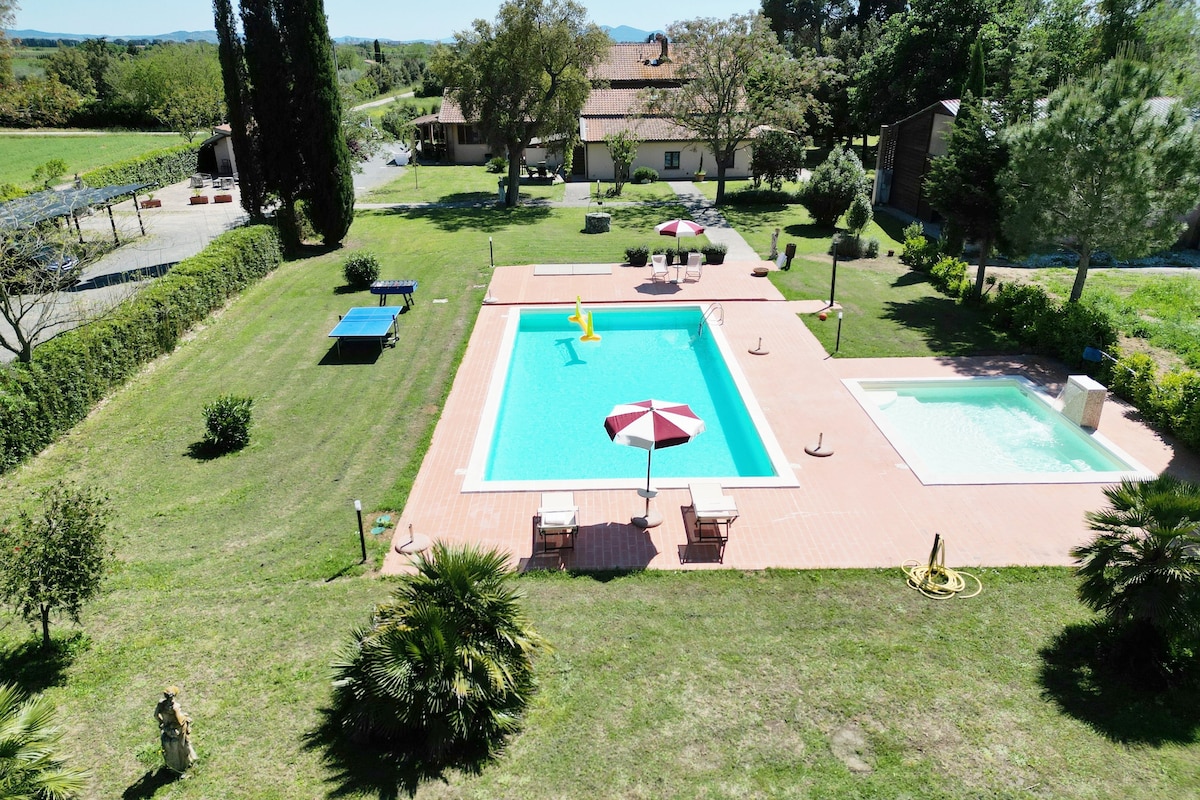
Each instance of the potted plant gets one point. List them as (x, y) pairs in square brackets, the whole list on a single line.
[(223, 198), (637, 256), (150, 202), (700, 174), (198, 199), (714, 253)]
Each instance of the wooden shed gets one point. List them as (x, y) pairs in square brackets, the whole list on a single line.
[(906, 148)]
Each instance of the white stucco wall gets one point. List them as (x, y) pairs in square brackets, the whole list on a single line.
[(653, 155)]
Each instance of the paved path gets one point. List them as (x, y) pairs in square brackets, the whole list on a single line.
[(716, 227)]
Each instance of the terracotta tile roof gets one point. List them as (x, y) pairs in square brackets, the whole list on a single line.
[(451, 113), (630, 62), (649, 129), (612, 102)]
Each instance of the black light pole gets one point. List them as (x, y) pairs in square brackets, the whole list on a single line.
[(491, 253), (833, 280), (838, 344), (362, 539)]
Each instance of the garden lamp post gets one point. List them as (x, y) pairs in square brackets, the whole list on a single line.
[(838, 344), (833, 279), (491, 253), (362, 539)]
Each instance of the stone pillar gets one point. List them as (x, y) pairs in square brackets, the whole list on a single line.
[(1082, 401)]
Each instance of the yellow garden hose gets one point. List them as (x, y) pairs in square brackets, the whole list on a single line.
[(936, 580)]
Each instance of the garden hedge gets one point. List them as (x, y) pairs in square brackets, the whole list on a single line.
[(71, 373), (156, 168)]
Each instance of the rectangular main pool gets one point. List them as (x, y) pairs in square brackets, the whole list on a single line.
[(542, 425), (988, 430)]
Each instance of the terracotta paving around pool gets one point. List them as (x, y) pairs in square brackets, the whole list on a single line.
[(861, 507)]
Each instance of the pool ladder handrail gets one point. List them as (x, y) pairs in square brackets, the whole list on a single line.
[(711, 308)]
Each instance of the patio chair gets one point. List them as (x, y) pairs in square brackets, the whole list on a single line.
[(658, 267), (713, 513), (557, 518), (694, 267)]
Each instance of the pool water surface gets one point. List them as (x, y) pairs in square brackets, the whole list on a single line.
[(543, 423)]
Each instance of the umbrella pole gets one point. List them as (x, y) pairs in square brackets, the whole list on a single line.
[(649, 519)]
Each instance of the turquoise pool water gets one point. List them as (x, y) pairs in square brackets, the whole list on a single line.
[(986, 430), (549, 423)]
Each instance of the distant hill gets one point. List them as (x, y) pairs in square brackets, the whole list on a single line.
[(177, 36), (621, 33)]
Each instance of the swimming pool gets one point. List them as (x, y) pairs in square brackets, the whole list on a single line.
[(542, 426), (988, 430)]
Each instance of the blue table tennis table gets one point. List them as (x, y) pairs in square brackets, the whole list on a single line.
[(367, 322)]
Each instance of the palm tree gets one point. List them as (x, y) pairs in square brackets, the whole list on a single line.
[(29, 740), (445, 668), (1143, 568)]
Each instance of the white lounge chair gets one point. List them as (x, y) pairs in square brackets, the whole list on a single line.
[(658, 267), (713, 513), (557, 517), (694, 267)]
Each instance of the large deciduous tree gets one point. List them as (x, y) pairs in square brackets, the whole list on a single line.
[(283, 77), (622, 147), (735, 76), (1103, 169), (177, 84), (54, 558), (964, 184), (525, 76)]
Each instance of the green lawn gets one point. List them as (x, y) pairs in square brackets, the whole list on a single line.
[(416, 106), (238, 580), (656, 191), (1162, 310), (452, 184), (23, 154), (756, 224)]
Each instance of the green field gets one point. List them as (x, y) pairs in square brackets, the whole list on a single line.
[(239, 578), (23, 153), (452, 184)]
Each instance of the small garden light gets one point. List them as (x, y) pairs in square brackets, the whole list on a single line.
[(362, 539)]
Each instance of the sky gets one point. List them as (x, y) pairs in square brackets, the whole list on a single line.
[(369, 19)]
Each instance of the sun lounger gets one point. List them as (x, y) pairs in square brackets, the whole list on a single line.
[(658, 267), (713, 513), (557, 518), (693, 268)]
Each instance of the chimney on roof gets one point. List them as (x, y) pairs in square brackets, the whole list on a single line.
[(662, 39)]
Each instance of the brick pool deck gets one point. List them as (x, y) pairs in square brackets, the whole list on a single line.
[(861, 507)]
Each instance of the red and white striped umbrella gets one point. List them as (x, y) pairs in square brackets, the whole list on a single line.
[(652, 425), (679, 228)]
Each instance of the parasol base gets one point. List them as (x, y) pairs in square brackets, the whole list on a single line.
[(419, 543), (652, 520)]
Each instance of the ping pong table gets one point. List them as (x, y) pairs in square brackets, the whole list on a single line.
[(367, 322)]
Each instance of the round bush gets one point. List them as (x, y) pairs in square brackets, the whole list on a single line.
[(361, 270), (227, 423), (645, 175), (497, 164)]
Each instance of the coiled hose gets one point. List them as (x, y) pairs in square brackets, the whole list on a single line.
[(935, 580)]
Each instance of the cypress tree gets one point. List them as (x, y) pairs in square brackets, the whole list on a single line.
[(975, 84), (246, 147), (328, 175)]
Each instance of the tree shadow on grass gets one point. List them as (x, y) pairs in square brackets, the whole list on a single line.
[(893, 226), (357, 769), (148, 785), (1078, 676), (488, 219), (34, 668), (949, 327)]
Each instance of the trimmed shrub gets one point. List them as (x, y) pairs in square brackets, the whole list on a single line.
[(361, 270), (637, 256), (645, 175), (498, 164), (714, 253), (872, 248), (227, 423), (72, 372), (920, 252), (761, 197), (156, 168), (833, 186), (949, 276)]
